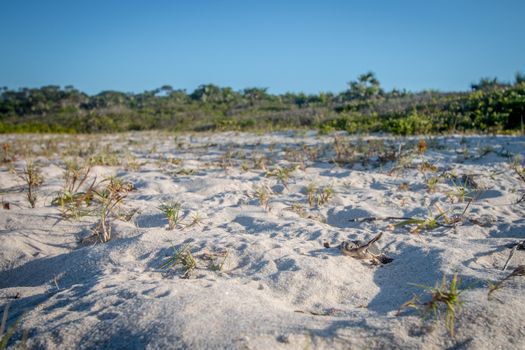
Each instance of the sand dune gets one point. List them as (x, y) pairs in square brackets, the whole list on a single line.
[(269, 274)]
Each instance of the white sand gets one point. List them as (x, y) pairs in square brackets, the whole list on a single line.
[(279, 287)]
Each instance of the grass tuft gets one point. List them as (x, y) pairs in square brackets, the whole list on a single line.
[(263, 194), (72, 199), (109, 200), (282, 174), (442, 295), (32, 176), (172, 212), (182, 257)]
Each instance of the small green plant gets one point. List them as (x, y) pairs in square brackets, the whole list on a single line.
[(196, 219), (282, 174), (318, 196), (172, 212), (325, 195), (7, 156), (311, 191), (518, 271), (182, 257), (226, 160), (460, 192), (216, 259), (219, 265), (429, 223), (458, 195), (109, 199), (132, 164), (106, 157), (343, 152), (441, 295), (32, 176), (245, 166), (262, 193), (71, 199), (432, 183), (259, 161)]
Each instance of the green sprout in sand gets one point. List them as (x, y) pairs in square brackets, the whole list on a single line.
[(442, 296), (172, 212)]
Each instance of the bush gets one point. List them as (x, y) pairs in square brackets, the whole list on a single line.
[(412, 124)]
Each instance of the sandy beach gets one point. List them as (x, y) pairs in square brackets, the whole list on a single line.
[(253, 257)]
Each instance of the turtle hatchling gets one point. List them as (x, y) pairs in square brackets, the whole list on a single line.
[(361, 250)]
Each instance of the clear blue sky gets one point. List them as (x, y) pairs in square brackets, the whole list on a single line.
[(308, 46)]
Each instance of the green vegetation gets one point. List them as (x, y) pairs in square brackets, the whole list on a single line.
[(282, 174), (32, 176), (71, 199), (172, 212), (182, 257), (490, 106), (442, 295), (319, 196), (109, 199), (263, 194)]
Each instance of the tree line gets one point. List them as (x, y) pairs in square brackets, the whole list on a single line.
[(489, 106)]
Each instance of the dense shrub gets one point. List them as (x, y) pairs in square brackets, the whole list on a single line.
[(490, 107)]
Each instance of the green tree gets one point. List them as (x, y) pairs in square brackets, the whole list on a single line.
[(366, 86)]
